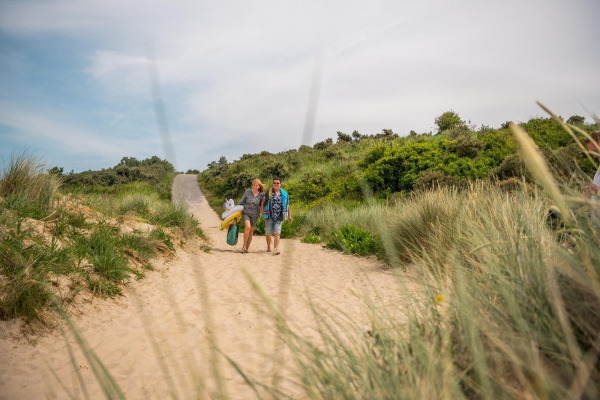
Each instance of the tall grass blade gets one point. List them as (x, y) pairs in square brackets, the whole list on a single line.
[(74, 364), (567, 128), (106, 381), (538, 168)]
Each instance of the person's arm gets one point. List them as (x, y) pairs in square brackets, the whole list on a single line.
[(290, 219), (262, 205), (590, 190)]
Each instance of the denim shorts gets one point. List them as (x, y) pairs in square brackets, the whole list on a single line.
[(272, 226)]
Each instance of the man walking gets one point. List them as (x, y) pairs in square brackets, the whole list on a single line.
[(276, 208)]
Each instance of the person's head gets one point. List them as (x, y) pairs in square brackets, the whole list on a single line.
[(277, 183), (258, 184), (593, 144)]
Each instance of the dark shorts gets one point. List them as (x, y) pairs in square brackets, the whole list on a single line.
[(252, 219)]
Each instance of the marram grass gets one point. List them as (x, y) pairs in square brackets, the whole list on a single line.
[(509, 308)]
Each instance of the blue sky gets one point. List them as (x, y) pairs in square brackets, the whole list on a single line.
[(234, 77)]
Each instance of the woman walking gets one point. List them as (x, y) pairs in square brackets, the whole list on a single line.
[(251, 200)]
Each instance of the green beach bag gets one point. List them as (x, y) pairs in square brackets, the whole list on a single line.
[(232, 234)]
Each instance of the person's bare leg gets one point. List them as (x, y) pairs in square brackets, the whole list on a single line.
[(268, 242), (247, 232), (276, 249), (250, 235)]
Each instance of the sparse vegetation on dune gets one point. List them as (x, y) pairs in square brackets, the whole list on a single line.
[(58, 242)]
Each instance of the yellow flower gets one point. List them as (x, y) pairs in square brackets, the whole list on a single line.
[(439, 298)]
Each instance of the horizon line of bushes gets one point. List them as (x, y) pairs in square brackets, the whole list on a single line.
[(332, 172)]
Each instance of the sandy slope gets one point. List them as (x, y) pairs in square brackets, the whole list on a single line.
[(157, 340)]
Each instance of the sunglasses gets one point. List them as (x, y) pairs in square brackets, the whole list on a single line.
[(276, 183)]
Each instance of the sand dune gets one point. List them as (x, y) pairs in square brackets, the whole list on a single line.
[(160, 338)]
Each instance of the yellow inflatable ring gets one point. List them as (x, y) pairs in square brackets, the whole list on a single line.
[(233, 217)]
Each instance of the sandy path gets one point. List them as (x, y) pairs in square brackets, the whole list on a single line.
[(157, 341)]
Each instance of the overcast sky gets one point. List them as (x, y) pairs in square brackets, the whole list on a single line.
[(85, 83)]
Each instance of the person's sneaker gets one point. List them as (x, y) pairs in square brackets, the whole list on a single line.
[(276, 252), (268, 250)]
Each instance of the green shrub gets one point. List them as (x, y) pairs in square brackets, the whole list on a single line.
[(324, 144), (429, 180), (143, 245), (511, 167), (466, 146), (259, 228), (25, 264), (312, 238), (400, 166), (274, 169), (24, 294), (312, 186), (353, 240), (344, 137), (160, 234), (106, 255), (104, 288), (373, 155), (448, 120), (547, 133), (136, 204), (290, 230), (239, 182)]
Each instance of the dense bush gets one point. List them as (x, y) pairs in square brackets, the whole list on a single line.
[(311, 187), (399, 166), (512, 166), (448, 120), (546, 132), (324, 144), (429, 180), (276, 169), (343, 137), (467, 146), (237, 183)]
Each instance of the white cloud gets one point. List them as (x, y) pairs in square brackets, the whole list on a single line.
[(236, 75), (106, 62), (60, 134)]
